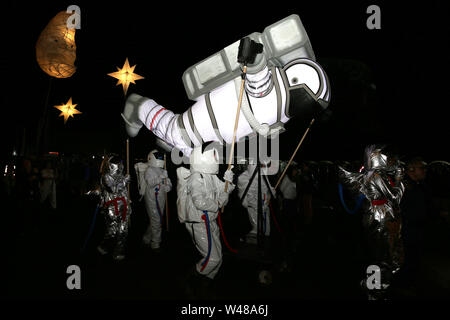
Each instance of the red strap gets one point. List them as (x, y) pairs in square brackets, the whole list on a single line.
[(223, 234), (379, 202), (154, 117), (116, 209)]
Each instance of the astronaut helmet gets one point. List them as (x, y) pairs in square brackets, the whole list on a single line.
[(156, 159), (205, 159), (114, 165)]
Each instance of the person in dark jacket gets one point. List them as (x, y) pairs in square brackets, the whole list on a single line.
[(415, 207)]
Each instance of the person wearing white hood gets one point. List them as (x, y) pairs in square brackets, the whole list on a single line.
[(203, 195), (157, 185)]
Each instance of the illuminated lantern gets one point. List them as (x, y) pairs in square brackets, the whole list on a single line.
[(67, 110), (125, 76), (56, 49)]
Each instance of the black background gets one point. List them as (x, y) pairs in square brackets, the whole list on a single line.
[(388, 85)]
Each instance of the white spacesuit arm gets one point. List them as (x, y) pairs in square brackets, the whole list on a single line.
[(200, 196), (259, 84), (262, 128)]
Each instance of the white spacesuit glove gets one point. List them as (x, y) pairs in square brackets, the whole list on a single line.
[(228, 175)]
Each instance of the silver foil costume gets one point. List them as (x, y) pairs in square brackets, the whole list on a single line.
[(380, 183), (115, 206)]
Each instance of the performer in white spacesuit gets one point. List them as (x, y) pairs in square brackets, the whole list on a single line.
[(248, 193), (282, 80), (203, 195), (157, 184)]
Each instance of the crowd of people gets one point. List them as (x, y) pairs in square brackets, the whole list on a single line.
[(34, 184), (399, 203)]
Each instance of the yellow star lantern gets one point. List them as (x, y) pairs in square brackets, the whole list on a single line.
[(67, 110), (125, 76)]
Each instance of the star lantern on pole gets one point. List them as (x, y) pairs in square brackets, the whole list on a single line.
[(125, 76), (67, 110)]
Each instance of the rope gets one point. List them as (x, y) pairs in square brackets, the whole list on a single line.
[(223, 234), (359, 200)]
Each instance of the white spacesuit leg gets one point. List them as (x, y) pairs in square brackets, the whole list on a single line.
[(199, 236), (152, 235), (146, 239)]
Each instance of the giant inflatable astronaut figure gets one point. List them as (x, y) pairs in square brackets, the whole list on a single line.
[(283, 81), (380, 183), (115, 205)]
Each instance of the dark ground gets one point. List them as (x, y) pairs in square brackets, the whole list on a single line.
[(329, 262)]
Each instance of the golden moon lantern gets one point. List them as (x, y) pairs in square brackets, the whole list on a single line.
[(67, 110), (56, 49), (125, 76)]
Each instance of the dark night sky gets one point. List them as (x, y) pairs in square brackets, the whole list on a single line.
[(387, 85)]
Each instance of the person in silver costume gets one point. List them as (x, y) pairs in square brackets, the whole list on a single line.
[(381, 183), (115, 206)]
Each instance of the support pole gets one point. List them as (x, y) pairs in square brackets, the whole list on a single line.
[(295, 152)]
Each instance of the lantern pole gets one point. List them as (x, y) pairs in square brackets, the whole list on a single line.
[(127, 152)]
